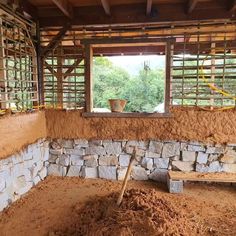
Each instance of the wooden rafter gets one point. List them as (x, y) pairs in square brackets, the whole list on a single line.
[(65, 7), (149, 7), (191, 5), (106, 7), (56, 40), (232, 5)]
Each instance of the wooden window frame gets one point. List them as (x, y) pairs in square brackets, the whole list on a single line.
[(89, 44)]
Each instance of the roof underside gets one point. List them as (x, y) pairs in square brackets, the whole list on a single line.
[(54, 13)]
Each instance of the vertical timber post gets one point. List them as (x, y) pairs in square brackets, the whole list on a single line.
[(88, 78), (167, 79)]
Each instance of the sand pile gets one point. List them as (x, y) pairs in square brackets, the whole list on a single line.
[(142, 212)]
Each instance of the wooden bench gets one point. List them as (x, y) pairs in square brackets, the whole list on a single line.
[(175, 179)]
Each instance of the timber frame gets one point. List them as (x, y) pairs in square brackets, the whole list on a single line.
[(90, 44)]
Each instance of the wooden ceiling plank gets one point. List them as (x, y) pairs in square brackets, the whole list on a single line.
[(232, 5), (191, 5), (65, 7), (106, 7), (149, 7)]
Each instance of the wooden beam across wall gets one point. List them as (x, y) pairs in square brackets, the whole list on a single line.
[(106, 7), (56, 40), (65, 7), (149, 7), (191, 5)]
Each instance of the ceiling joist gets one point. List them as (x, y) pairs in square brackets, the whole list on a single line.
[(65, 7), (191, 5), (149, 7), (106, 7), (232, 5)]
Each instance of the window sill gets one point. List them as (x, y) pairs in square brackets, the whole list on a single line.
[(126, 115)]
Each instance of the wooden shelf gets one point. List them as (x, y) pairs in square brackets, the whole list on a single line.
[(126, 115)]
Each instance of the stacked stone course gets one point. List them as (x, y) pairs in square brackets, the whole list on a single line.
[(109, 158)]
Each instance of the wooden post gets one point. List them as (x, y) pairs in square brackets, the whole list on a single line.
[(88, 77), (60, 78), (213, 70), (3, 83), (168, 75)]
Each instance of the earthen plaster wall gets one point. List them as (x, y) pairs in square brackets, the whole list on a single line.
[(186, 124), (17, 131)]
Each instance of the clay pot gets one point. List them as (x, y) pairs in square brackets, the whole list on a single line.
[(117, 105)]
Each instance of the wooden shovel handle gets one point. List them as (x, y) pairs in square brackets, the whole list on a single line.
[(132, 159)]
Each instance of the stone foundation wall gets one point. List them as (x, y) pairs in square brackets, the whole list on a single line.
[(20, 172), (109, 158)]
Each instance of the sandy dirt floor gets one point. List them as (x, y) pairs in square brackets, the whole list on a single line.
[(73, 206)]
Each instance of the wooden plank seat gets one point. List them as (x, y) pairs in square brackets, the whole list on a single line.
[(175, 179)]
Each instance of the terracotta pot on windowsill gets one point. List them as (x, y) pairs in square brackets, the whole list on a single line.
[(117, 105)]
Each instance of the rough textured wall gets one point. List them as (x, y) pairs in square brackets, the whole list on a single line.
[(186, 124), (17, 131)]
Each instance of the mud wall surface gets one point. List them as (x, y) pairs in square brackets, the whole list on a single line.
[(17, 131), (186, 124)]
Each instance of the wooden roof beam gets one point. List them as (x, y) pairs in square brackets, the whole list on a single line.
[(65, 7), (149, 7), (232, 5), (191, 5), (106, 7)]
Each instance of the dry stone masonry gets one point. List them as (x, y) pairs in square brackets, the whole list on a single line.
[(20, 172), (109, 159)]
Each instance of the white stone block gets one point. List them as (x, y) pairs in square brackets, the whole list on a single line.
[(107, 172), (3, 175), (113, 148), (108, 160), (202, 168), (149, 154), (76, 160), (188, 156), (147, 163), (81, 142), (17, 158), (42, 173), (159, 175), (214, 150), (139, 173), (231, 168), (121, 172), (140, 144), (155, 147), (3, 200), (36, 180), (183, 165), (161, 163), (95, 143), (229, 157), (52, 158), (56, 151), (95, 150), (124, 159), (74, 171), (90, 172), (17, 170), (171, 149), (67, 143), (202, 158), (64, 160), (91, 160), (78, 151), (139, 152), (25, 189), (56, 170), (215, 166), (196, 148)]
